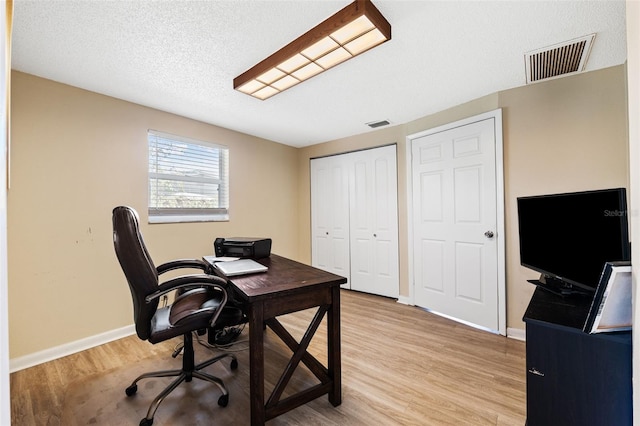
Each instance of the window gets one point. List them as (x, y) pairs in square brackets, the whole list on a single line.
[(188, 179)]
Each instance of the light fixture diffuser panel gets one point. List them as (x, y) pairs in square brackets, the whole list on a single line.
[(270, 76), (308, 71), (293, 63), (265, 93), (365, 42), (332, 59), (320, 48), (285, 82), (353, 30), (251, 87)]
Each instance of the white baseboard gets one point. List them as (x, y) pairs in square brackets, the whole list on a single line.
[(50, 354), (517, 334), (404, 300)]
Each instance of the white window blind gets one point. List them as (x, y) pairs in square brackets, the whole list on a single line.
[(188, 179)]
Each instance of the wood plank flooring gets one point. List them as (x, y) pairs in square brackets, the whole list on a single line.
[(400, 366)]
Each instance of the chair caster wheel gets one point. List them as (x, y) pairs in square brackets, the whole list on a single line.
[(234, 364), (146, 422), (131, 390), (223, 400)]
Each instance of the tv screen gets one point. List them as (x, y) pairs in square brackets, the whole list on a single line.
[(569, 237)]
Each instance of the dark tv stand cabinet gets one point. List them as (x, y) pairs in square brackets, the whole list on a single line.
[(574, 378)]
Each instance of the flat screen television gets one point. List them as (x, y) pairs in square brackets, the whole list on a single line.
[(569, 237)]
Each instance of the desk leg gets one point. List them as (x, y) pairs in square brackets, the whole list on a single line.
[(256, 363), (333, 342)]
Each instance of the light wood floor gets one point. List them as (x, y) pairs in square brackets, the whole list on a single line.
[(400, 365)]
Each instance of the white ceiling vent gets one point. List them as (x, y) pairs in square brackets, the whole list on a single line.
[(558, 60), (380, 123)]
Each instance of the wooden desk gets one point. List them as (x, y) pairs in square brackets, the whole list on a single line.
[(287, 287)]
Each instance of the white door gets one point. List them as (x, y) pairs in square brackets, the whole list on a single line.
[(330, 216), (374, 221), (455, 223)]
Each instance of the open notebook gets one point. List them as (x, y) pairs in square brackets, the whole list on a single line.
[(238, 267)]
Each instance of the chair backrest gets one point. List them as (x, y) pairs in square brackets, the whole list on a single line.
[(137, 266)]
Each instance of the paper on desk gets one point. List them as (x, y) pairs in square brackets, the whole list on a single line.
[(214, 259)]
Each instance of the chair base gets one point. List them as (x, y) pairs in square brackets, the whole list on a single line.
[(186, 374)]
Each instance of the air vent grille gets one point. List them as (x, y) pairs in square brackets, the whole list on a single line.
[(558, 60), (380, 123)]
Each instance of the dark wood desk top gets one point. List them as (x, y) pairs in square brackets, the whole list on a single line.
[(285, 276)]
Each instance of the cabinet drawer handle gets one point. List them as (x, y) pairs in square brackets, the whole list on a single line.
[(536, 372)]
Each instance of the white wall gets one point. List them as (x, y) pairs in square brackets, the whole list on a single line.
[(633, 87)]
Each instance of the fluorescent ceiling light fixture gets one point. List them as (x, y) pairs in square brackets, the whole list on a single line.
[(350, 32)]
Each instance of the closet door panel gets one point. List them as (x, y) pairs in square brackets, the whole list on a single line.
[(360, 224), (374, 222), (330, 216)]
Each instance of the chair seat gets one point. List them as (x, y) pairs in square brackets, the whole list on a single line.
[(191, 311)]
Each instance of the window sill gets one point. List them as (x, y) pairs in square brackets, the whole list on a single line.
[(189, 218)]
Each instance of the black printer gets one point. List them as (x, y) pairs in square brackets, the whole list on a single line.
[(254, 248)]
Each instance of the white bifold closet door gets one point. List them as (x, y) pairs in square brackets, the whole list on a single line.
[(354, 218), (330, 215)]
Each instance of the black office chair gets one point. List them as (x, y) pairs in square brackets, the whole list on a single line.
[(198, 304)]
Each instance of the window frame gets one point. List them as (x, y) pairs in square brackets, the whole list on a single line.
[(183, 215)]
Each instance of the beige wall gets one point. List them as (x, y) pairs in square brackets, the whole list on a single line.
[(564, 135), (76, 155), (561, 135)]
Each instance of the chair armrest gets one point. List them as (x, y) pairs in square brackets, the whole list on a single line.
[(188, 281), (183, 263)]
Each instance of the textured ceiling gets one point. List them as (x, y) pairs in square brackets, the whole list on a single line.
[(181, 56)]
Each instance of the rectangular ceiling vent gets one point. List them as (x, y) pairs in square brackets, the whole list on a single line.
[(558, 60), (380, 123)]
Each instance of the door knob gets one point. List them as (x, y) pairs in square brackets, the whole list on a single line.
[(489, 234)]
